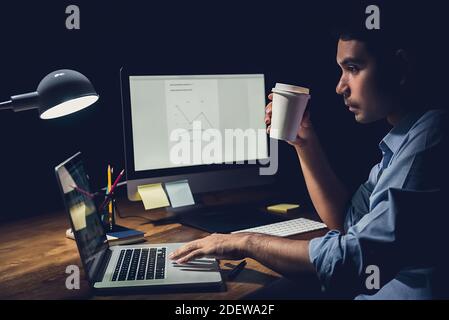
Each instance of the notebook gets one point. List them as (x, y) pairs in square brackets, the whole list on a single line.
[(120, 235)]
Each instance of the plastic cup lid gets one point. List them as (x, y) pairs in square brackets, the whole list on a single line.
[(291, 88), (288, 93)]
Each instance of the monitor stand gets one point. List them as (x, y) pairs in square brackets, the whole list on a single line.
[(228, 219)]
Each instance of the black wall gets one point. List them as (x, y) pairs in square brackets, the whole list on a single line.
[(288, 41)]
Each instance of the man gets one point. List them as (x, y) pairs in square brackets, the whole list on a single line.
[(384, 224)]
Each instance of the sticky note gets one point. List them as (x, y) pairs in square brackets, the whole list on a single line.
[(153, 196), (179, 193), (78, 214), (282, 207)]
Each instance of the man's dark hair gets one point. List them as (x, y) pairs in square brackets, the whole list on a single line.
[(418, 30), (349, 24)]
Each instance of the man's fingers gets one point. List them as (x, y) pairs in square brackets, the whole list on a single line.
[(268, 108), (268, 114), (192, 255), (297, 142), (186, 249), (270, 96), (267, 120)]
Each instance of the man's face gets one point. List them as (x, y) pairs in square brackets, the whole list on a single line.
[(359, 83)]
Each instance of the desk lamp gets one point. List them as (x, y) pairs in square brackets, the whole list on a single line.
[(58, 94)]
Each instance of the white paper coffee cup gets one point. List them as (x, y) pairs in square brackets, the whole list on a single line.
[(288, 107)]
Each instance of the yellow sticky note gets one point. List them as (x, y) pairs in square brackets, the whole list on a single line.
[(153, 196), (282, 207)]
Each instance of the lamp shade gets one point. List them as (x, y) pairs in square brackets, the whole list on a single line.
[(63, 92), (60, 93)]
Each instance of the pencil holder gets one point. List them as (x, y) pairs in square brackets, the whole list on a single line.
[(107, 211)]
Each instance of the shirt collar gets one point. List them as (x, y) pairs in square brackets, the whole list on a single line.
[(396, 136)]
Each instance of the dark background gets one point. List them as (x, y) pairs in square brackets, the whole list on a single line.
[(289, 42)]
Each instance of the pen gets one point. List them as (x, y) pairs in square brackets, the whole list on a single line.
[(109, 191), (117, 180), (109, 186), (236, 270), (109, 195), (104, 189)]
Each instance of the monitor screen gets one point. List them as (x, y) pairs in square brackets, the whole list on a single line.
[(86, 225), (187, 114)]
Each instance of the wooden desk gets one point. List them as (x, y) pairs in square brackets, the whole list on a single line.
[(34, 254)]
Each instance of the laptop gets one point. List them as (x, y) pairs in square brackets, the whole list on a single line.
[(123, 267)]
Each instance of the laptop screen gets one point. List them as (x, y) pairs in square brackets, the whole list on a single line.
[(86, 224)]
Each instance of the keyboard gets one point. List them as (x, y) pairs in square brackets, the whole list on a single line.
[(287, 228), (140, 264)]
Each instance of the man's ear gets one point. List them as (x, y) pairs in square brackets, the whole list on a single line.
[(404, 63)]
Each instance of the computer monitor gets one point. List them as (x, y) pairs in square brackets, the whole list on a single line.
[(172, 124)]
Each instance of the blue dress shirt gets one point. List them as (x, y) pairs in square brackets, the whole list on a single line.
[(394, 220)]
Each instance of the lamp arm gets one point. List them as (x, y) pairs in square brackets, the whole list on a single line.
[(22, 102), (6, 105), (25, 101)]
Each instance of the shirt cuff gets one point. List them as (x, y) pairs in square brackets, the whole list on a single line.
[(316, 253)]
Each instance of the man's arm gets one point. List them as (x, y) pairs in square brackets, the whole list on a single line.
[(285, 256), (328, 194)]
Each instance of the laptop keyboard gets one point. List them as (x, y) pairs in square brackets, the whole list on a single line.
[(140, 264)]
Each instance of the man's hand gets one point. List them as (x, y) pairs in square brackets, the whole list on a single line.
[(305, 128), (285, 256), (220, 246)]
